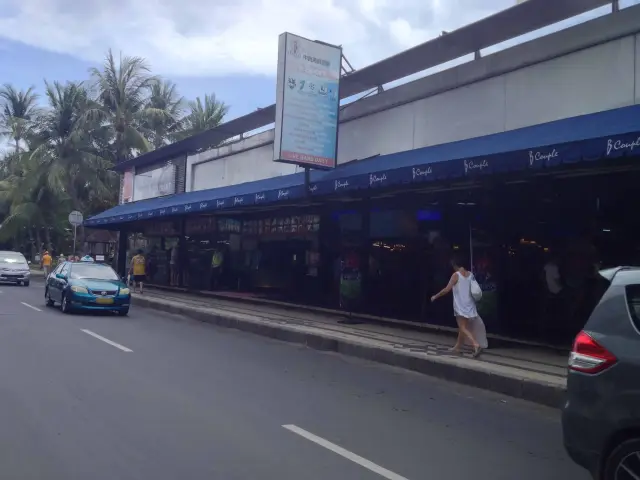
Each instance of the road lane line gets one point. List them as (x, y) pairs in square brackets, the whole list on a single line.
[(106, 340), (31, 307), (363, 462)]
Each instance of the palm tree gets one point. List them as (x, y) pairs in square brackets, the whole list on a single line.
[(203, 116), (164, 98), (18, 109), (18, 120), (66, 156), (122, 90), (27, 203), (59, 157), (60, 171)]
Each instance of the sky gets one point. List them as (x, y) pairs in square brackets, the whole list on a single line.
[(226, 47)]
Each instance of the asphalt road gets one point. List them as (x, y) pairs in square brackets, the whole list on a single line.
[(171, 398)]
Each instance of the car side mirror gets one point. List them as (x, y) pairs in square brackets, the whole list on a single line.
[(60, 276)]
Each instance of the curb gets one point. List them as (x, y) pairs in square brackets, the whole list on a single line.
[(475, 374), (404, 324)]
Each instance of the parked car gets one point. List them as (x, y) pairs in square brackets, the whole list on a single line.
[(14, 268), (601, 418), (87, 286)]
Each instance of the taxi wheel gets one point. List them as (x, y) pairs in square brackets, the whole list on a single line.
[(123, 313), (50, 303), (66, 305)]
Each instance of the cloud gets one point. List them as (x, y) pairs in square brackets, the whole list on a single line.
[(225, 37)]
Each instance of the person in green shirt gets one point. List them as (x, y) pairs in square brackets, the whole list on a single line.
[(217, 261)]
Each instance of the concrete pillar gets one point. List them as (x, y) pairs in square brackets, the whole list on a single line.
[(183, 274), (365, 250), (122, 252)]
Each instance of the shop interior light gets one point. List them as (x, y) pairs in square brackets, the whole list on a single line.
[(524, 241)]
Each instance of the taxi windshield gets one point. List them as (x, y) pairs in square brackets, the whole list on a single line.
[(93, 272)]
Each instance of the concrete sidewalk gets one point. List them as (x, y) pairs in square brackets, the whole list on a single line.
[(521, 371)]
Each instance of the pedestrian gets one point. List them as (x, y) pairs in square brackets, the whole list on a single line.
[(217, 262), (174, 267), (138, 270), (46, 263), (152, 264), (464, 305)]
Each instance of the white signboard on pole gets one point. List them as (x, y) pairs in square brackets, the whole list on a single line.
[(307, 102), (76, 218)]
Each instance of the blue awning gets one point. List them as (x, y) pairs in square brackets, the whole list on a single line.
[(609, 134), (286, 187)]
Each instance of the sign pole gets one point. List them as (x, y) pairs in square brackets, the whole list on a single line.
[(470, 248), (307, 181), (75, 219)]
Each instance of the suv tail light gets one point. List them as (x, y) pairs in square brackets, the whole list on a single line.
[(588, 356)]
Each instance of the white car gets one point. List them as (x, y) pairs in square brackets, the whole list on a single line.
[(14, 268)]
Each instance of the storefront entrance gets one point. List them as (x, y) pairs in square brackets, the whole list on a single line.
[(534, 244)]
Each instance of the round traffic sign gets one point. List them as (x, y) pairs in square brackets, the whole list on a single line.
[(76, 218)]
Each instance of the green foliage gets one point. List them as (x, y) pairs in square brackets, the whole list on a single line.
[(58, 158), (203, 116)]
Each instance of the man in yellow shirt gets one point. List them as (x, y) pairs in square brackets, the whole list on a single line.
[(138, 270), (46, 263)]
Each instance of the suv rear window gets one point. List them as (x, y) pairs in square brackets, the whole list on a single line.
[(596, 290), (633, 300)]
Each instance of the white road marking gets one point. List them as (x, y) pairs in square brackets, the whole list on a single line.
[(106, 340), (31, 307), (363, 462)]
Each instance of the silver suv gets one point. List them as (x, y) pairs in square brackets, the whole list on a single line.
[(14, 268), (601, 418)]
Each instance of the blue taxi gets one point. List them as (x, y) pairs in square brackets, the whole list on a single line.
[(87, 286)]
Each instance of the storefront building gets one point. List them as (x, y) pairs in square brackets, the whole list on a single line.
[(525, 170)]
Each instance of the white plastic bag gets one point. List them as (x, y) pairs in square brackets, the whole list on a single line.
[(479, 332), (476, 291)]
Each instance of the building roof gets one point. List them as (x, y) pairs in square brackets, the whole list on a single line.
[(502, 26)]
